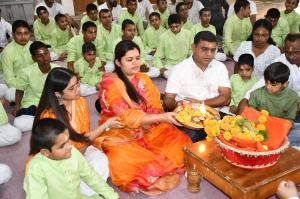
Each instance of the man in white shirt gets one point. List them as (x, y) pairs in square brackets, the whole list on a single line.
[(253, 11), (200, 78), (55, 8), (114, 8), (194, 7), (5, 32), (143, 6)]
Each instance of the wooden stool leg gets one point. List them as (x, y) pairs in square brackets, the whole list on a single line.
[(193, 178)]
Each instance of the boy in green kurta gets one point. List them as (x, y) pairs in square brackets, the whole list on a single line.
[(183, 12), (91, 14), (280, 27), (109, 32), (242, 81), (205, 16), (275, 96), (164, 13), (44, 26), (132, 14), (31, 80), (152, 34), (89, 34), (174, 46), (61, 36), (292, 17), (237, 27), (16, 56), (57, 168), (89, 70)]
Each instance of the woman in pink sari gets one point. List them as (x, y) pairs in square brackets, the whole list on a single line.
[(146, 155)]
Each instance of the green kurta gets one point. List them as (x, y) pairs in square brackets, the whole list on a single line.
[(74, 48), (3, 115), (136, 18), (283, 104), (59, 40), (187, 25), (60, 179), (42, 32), (90, 76), (31, 80), (164, 18), (235, 31), (280, 31), (174, 48), (86, 18), (139, 42), (109, 38), (198, 28), (239, 87), (151, 38), (293, 19), (14, 58)]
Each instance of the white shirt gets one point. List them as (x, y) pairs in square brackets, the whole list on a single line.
[(294, 79), (143, 6), (253, 9), (262, 61), (187, 80), (116, 11), (194, 12), (5, 28), (53, 11), (172, 7)]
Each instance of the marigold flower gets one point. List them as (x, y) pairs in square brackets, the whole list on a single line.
[(261, 127), (227, 135), (264, 112), (262, 119), (259, 138)]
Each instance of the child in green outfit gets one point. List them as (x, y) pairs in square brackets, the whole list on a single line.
[(292, 17), (242, 81), (164, 13), (91, 14), (89, 69)]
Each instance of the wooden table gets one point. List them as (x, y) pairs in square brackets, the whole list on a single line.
[(204, 159)]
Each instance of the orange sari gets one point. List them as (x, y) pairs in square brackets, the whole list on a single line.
[(138, 157), (80, 120)]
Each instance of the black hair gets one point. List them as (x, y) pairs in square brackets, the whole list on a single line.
[(127, 22), (19, 23), (58, 17), (263, 23), (156, 14), (246, 59), (205, 36), (104, 11), (121, 49), (178, 6), (203, 10), (44, 134), (40, 8), (273, 13), (88, 47), (292, 37), (174, 19), (87, 25), (239, 4), (277, 73), (56, 81), (128, 1), (34, 46), (90, 7)]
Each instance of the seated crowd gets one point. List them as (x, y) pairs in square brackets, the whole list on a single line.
[(138, 142)]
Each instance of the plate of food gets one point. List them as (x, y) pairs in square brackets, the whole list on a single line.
[(192, 115)]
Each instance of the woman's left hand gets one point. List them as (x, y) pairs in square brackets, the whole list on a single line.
[(114, 123), (169, 117)]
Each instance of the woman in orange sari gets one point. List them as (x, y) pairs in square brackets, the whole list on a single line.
[(146, 155), (61, 100)]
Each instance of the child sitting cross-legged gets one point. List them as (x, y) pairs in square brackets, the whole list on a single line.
[(242, 81), (89, 69), (57, 168)]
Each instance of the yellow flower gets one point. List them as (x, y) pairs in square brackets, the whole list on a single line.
[(227, 119), (262, 119), (259, 138), (264, 112), (265, 147), (261, 127), (227, 135), (224, 126), (236, 130)]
